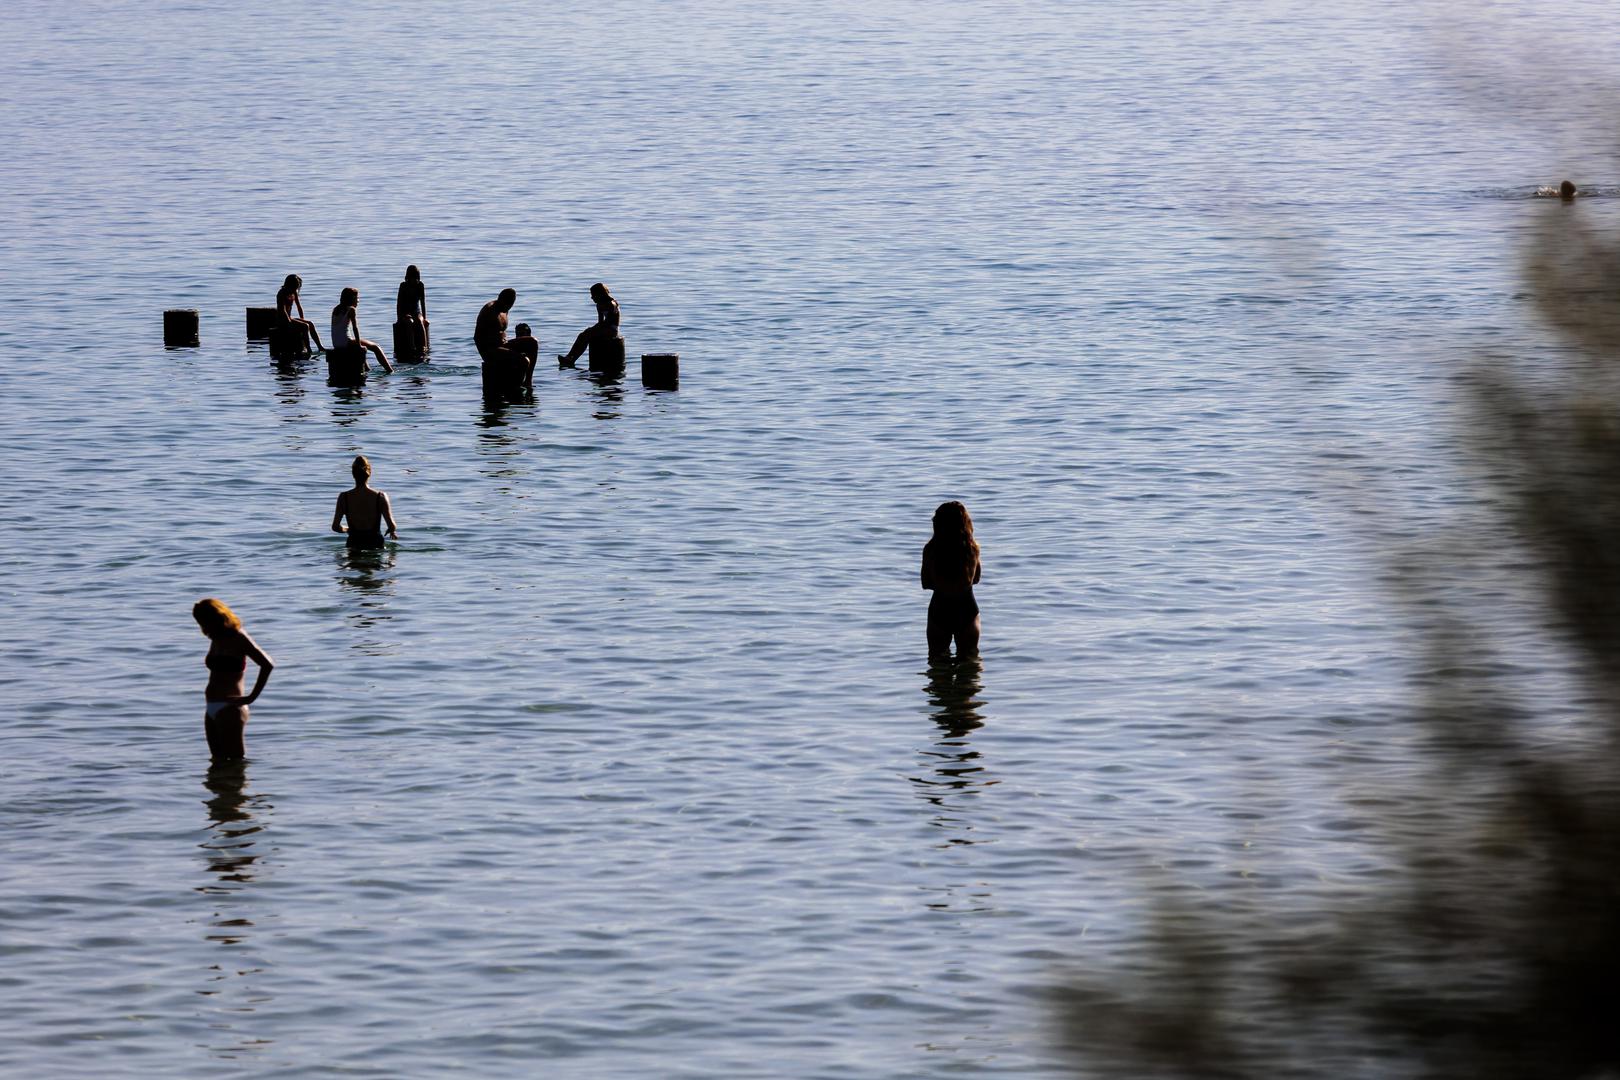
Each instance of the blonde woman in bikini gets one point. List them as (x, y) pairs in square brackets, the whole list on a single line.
[(225, 712), (366, 508)]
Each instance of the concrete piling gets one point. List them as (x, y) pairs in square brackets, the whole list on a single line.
[(408, 343), (607, 355), (260, 321), (346, 366), (660, 371), (180, 327), (288, 341)]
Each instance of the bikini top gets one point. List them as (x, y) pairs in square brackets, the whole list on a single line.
[(225, 664)]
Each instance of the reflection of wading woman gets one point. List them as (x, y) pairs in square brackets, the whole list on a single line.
[(225, 713), (950, 568)]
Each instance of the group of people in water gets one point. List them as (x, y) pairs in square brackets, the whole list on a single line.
[(950, 559), (510, 359), (950, 569)]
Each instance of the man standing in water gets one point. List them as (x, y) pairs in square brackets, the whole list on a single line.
[(490, 336)]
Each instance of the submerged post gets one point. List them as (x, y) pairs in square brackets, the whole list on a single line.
[(607, 354), (180, 327), (661, 371), (261, 320)]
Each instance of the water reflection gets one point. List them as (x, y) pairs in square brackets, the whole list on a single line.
[(955, 770), (368, 575), (497, 441), (349, 405), (232, 858), (608, 391)]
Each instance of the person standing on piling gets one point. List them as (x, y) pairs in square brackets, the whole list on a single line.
[(605, 329), (410, 306), (287, 299), (490, 337), (346, 329)]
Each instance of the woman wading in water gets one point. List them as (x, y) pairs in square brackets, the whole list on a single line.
[(950, 568), (366, 508), (225, 713)]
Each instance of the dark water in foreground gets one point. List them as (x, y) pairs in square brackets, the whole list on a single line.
[(626, 761)]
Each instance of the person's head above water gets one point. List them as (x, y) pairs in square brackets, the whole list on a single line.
[(412, 273), (349, 296), (952, 519), (1567, 190), (599, 293), (214, 617), (361, 469), (507, 298), (522, 329), (293, 282)]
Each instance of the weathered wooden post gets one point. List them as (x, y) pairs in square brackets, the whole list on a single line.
[(180, 327), (661, 371), (261, 320), (608, 354)]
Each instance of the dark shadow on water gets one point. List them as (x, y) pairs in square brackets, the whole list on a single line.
[(232, 853)]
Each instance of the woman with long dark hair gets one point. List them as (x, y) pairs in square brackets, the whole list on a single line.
[(950, 569)]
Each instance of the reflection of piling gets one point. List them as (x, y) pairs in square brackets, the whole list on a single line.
[(661, 371), (345, 366), (607, 354), (180, 327), (408, 342), (261, 320), (289, 340)]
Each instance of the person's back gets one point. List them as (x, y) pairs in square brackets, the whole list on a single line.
[(490, 331), (366, 508), (342, 320), (412, 299)]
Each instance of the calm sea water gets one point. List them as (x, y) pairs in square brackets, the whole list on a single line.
[(626, 760)]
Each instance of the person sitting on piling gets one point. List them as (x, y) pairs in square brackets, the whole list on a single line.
[(605, 329), (525, 342), (366, 508), (490, 337), (287, 299), (346, 329), (411, 305)]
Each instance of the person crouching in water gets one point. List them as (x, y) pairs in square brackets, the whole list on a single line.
[(346, 329), (950, 569), (606, 327), (225, 709), (525, 342), (366, 508)]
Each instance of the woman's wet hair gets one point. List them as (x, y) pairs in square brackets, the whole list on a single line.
[(600, 291), (293, 282), (361, 467), (350, 295), (213, 616), (412, 273)]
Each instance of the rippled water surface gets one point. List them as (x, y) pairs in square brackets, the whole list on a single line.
[(626, 760)]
